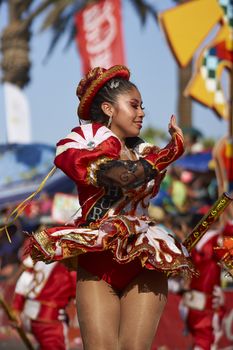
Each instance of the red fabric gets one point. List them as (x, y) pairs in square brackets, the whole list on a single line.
[(99, 35), (200, 326), (200, 323), (60, 287), (206, 263), (102, 265), (223, 52), (228, 162), (50, 336), (160, 159), (48, 313), (57, 291), (228, 229), (81, 159), (18, 302), (93, 82)]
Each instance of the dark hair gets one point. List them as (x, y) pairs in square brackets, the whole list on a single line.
[(108, 93)]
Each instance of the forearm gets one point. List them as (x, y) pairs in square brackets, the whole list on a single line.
[(164, 157)]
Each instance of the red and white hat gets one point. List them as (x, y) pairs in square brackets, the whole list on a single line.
[(92, 82)]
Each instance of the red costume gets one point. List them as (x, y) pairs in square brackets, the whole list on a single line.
[(225, 249), (114, 216), (205, 309), (41, 295)]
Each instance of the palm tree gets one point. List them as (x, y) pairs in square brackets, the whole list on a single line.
[(184, 103), (59, 14)]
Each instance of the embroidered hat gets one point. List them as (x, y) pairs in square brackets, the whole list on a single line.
[(93, 82)]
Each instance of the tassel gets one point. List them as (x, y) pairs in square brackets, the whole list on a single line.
[(20, 208)]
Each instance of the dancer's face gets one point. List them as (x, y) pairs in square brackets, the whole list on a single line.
[(127, 114)]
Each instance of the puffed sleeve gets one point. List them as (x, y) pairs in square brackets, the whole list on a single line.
[(84, 149)]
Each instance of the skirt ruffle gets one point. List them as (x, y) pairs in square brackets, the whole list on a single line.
[(126, 236)]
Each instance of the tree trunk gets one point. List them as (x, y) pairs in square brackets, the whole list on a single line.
[(15, 42), (184, 104)]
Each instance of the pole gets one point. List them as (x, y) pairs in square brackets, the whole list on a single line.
[(213, 214), (20, 330)]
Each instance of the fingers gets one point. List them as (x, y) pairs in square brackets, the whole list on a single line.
[(172, 126), (173, 119), (172, 122)]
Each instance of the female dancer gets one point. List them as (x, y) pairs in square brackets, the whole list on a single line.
[(123, 256)]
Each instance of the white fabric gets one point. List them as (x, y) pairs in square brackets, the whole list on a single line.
[(17, 115), (195, 300), (89, 141)]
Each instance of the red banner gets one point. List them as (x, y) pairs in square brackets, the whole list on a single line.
[(99, 35)]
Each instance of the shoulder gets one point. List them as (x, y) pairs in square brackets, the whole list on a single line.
[(87, 136)]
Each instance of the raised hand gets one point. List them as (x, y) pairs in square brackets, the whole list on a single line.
[(173, 127)]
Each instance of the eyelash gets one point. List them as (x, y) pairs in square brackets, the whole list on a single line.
[(136, 106)]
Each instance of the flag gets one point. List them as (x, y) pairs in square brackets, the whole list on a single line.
[(206, 83), (17, 115), (187, 25), (100, 35)]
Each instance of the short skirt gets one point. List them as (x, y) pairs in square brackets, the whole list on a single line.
[(127, 237)]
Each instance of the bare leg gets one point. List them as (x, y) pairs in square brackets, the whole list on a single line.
[(142, 304), (98, 309)]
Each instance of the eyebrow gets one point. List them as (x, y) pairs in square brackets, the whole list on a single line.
[(136, 100)]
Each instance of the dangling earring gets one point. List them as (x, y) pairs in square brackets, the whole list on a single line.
[(109, 121)]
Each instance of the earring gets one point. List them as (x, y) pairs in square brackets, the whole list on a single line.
[(109, 121)]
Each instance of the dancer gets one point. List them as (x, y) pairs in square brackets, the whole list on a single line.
[(204, 298), (42, 293), (123, 256)]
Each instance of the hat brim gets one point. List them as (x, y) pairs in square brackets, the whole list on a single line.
[(96, 85)]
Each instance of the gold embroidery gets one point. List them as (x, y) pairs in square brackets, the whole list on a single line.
[(93, 167), (44, 241)]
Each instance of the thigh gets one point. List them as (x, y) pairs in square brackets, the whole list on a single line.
[(98, 308), (142, 304)]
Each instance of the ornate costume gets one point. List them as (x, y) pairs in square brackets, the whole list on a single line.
[(114, 195), (205, 298), (42, 293), (225, 250)]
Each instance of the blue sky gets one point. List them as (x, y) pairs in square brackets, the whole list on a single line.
[(51, 93)]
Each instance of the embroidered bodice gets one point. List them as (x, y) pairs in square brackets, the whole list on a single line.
[(107, 185)]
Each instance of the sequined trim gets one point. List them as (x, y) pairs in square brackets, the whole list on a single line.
[(93, 167)]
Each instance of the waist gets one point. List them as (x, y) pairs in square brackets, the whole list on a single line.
[(37, 310)]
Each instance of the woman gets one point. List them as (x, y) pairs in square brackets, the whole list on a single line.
[(123, 257)]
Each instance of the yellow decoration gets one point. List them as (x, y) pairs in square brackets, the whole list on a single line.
[(199, 89), (187, 25)]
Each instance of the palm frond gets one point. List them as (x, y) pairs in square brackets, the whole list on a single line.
[(71, 36), (64, 23), (60, 18), (143, 9), (55, 13)]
